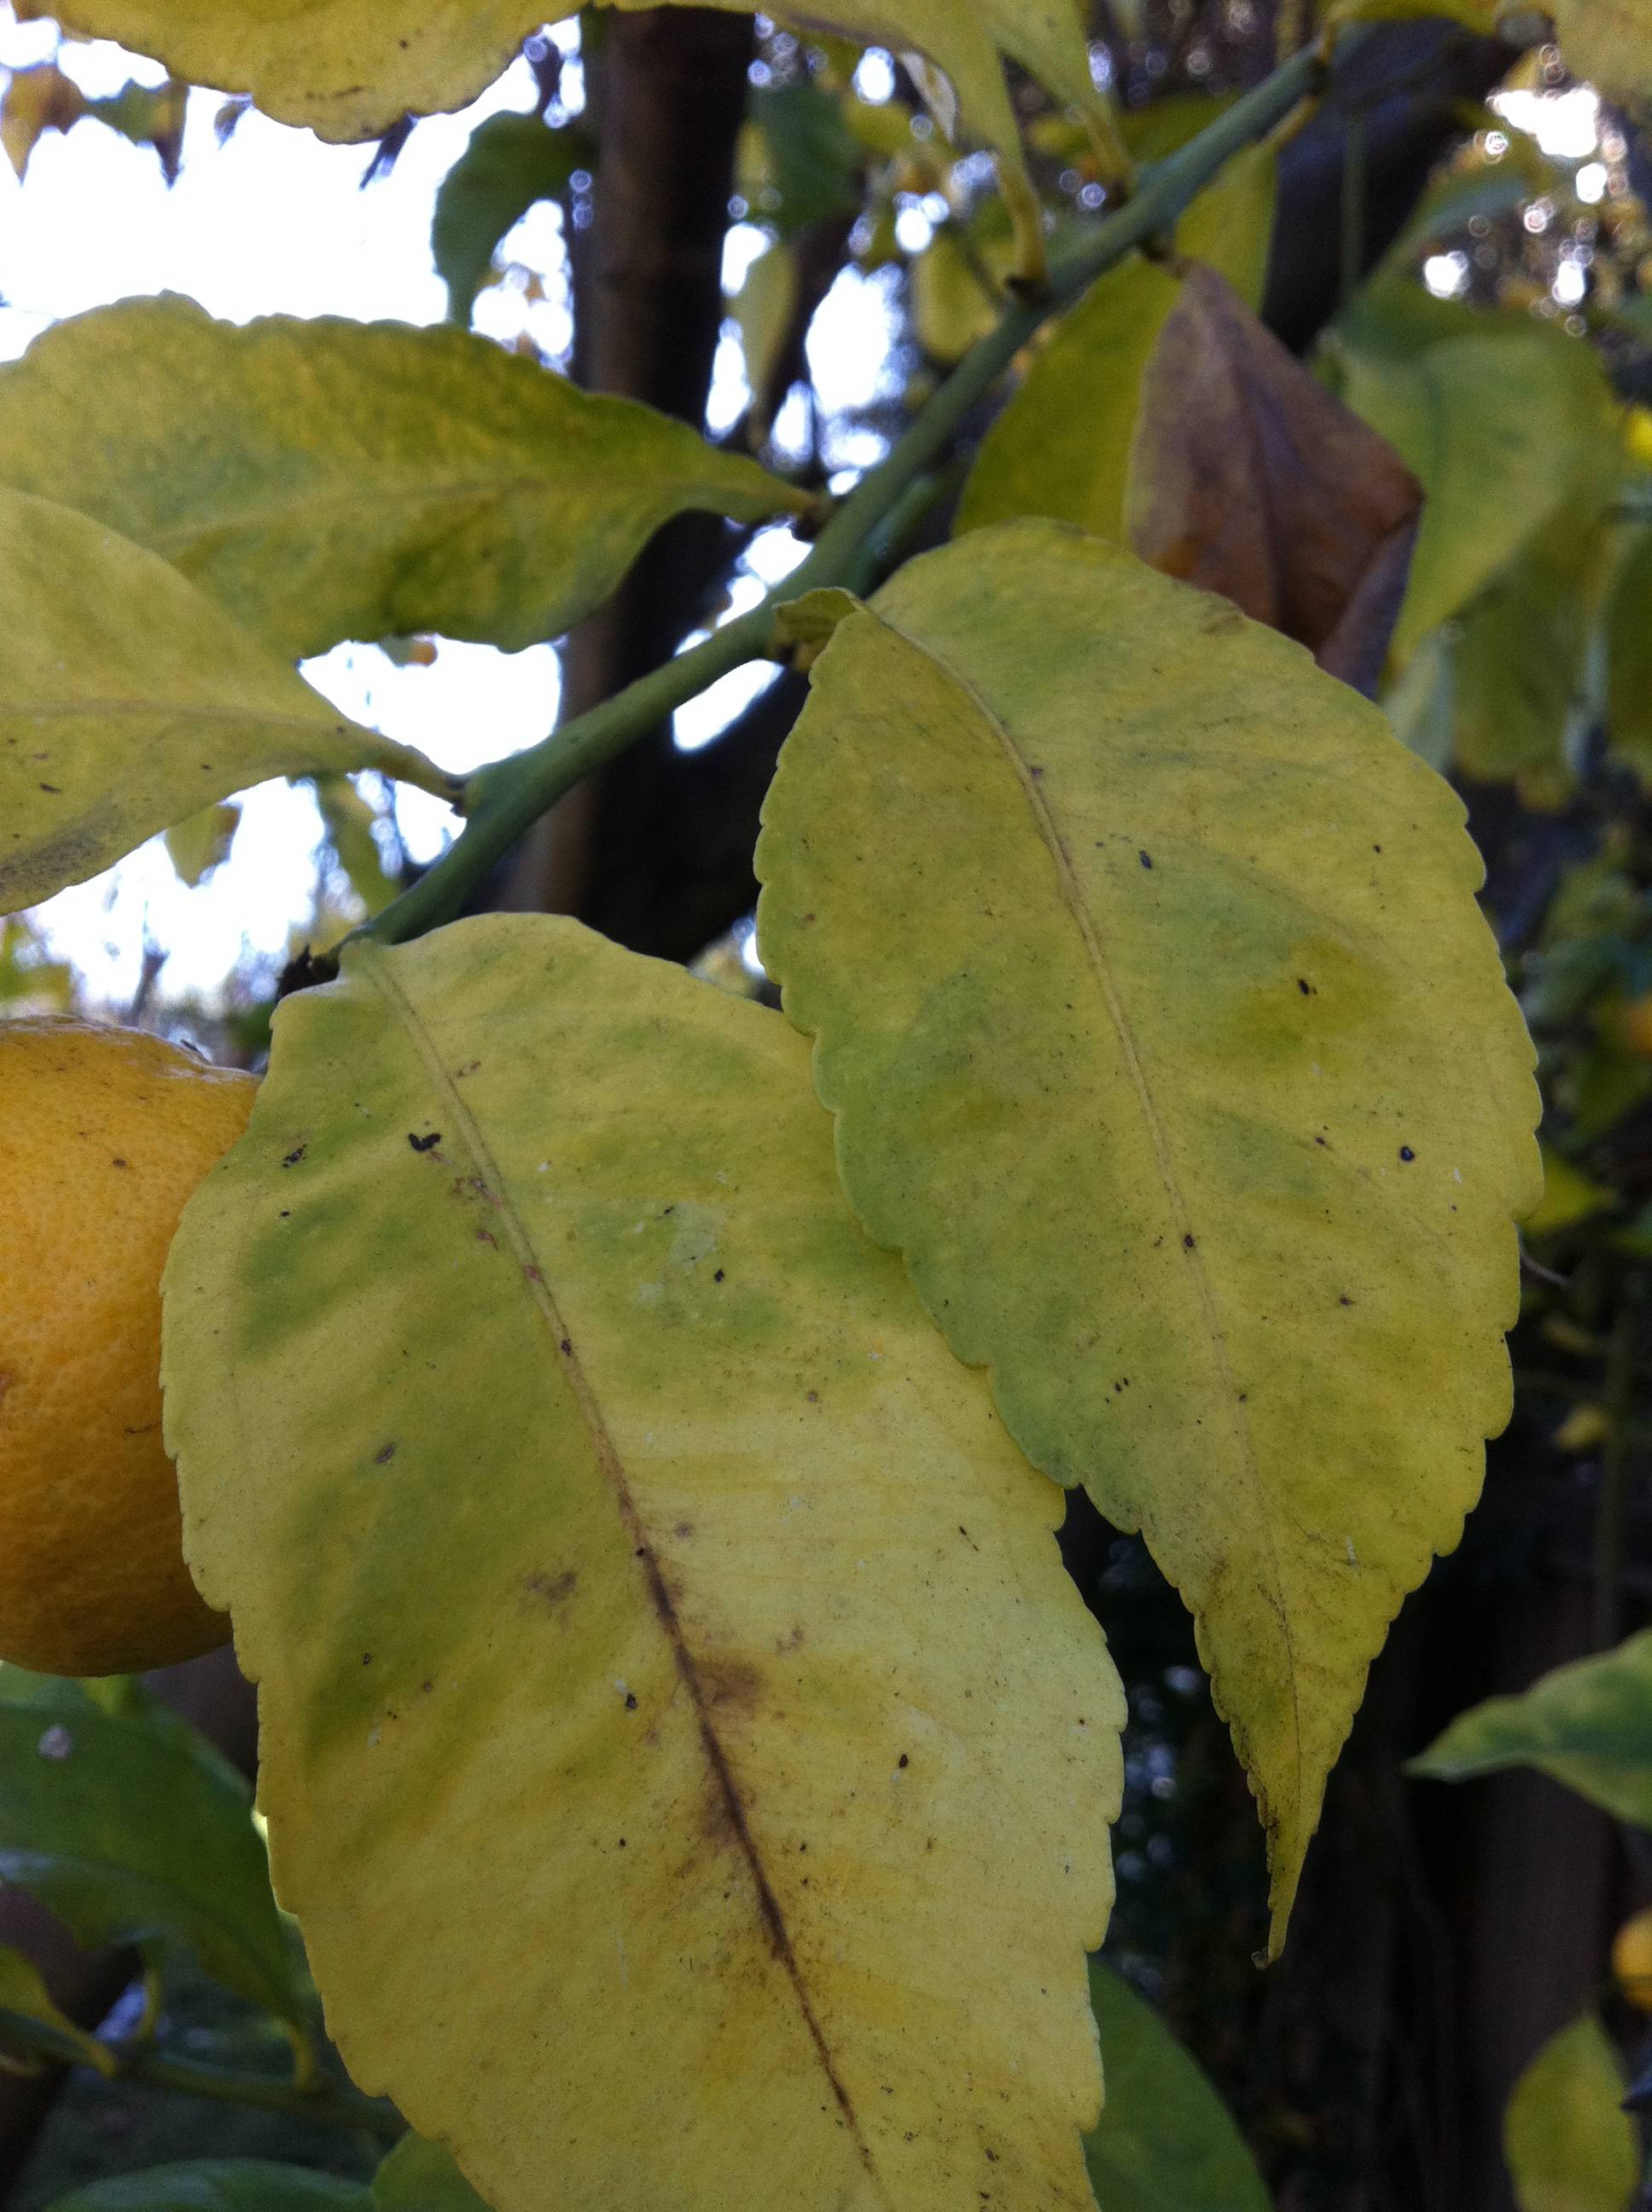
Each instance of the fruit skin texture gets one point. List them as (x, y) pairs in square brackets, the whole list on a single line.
[(104, 1135)]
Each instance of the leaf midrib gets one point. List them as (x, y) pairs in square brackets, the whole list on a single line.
[(1159, 1135), (535, 1277)]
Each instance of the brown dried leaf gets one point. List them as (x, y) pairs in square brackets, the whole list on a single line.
[(1248, 478)]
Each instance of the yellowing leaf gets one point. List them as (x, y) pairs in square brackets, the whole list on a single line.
[(128, 700), (1570, 2146), (202, 843), (347, 69), (23, 1992), (621, 1560), (1165, 1040), (329, 480), (1610, 43), (37, 101), (1061, 446)]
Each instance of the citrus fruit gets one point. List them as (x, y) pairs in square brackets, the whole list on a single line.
[(1632, 1960), (104, 1133)]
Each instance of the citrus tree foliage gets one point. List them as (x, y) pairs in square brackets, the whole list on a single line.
[(684, 1754), (622, 1562), (327, 480), (1588, 1724), (128, 700), (1179, 1205)]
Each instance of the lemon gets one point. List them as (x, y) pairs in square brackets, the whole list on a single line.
[(1632, 1960), (104, 1133)]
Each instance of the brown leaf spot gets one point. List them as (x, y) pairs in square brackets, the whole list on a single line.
[(554, 1590)]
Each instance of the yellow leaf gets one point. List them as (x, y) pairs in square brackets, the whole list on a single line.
[(600, 1514), (128, 700), (36, 100), (1166, 1041), (23, 1992), (1610, 43), (347, 69), (202, 843), (1570, 2146), (329, 480)]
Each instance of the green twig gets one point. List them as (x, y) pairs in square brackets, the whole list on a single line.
[(330, 2106), (506, 799)]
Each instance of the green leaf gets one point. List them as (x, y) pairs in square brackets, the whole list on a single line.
[(1569, 2145), (219, 2184), (1165, 2142), (421, 2177), (329, 480), (512, 162), (1569, 1196), (349, 821), (1061, 446), (1588, 1724), (133, 1830), (200, 844), (1629, 656), (128, 700), (1502, 422), (23, 1993), (622, 1562), (1166, 1041), (1523, 657), (347, 68), (763, 308), (806, 164)]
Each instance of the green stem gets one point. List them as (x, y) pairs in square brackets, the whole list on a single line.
[(506, 798), (330, 2106)]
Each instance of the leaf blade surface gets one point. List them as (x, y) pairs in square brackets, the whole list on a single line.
[(326, 479), (1587, 1724), (625, 1583), (129, 700), (1165, 1041)]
